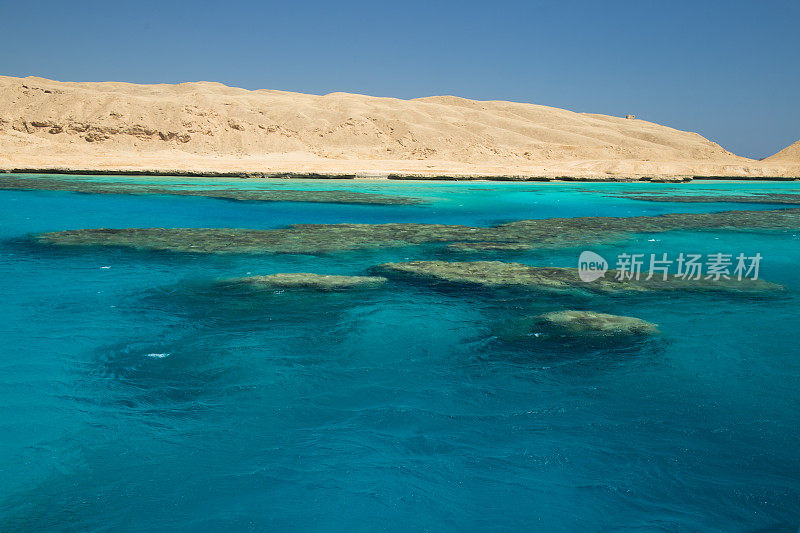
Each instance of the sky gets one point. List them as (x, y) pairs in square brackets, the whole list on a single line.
[(729, 70)]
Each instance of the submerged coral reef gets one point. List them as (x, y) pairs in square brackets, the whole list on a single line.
[(496, 277), (576, 324), (320, 238), (306, 280), (497, 274), (255, 195), (755, 198)]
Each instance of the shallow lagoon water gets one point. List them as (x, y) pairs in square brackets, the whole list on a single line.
[(140, 394)]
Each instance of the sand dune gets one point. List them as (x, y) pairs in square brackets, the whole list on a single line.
[(790, 154), (206, 126)]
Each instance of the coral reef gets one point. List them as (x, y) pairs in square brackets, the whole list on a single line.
[(755, 198), (497, 274), (253, 195), (576, 324), (305, 280), (320, 238)]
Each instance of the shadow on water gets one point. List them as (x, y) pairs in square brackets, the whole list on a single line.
[(577, 355), (222, 303), (222, 340)]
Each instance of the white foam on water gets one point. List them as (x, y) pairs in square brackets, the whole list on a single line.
[(158, 355)]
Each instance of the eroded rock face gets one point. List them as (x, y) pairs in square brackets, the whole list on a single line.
[(261, 195), (320, 238), (304, 280), (577, 324), (497, 274)]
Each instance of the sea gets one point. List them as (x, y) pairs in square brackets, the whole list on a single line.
[(138, 393)]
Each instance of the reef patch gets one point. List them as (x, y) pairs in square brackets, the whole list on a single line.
[(754, 198), (249, 195), (576, 324), (305, 280), (551, 233), (497, 274)]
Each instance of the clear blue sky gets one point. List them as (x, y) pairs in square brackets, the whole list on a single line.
[(729, 70)]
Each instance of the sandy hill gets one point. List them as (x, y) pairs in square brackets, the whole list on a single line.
[(209, 126), (790, 154)]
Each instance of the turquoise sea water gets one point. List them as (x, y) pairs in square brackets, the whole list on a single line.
[(138, 394)]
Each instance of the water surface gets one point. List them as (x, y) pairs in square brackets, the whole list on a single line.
[(138, 393)]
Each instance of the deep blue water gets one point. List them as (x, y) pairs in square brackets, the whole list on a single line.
[(396, 409)]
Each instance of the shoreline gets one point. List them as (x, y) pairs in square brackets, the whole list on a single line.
[(392, 176)]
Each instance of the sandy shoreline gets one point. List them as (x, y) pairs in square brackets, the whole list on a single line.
[(289, 166), (367, 176)]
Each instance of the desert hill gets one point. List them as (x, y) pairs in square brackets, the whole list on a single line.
[(790, 154), (209, 126)]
